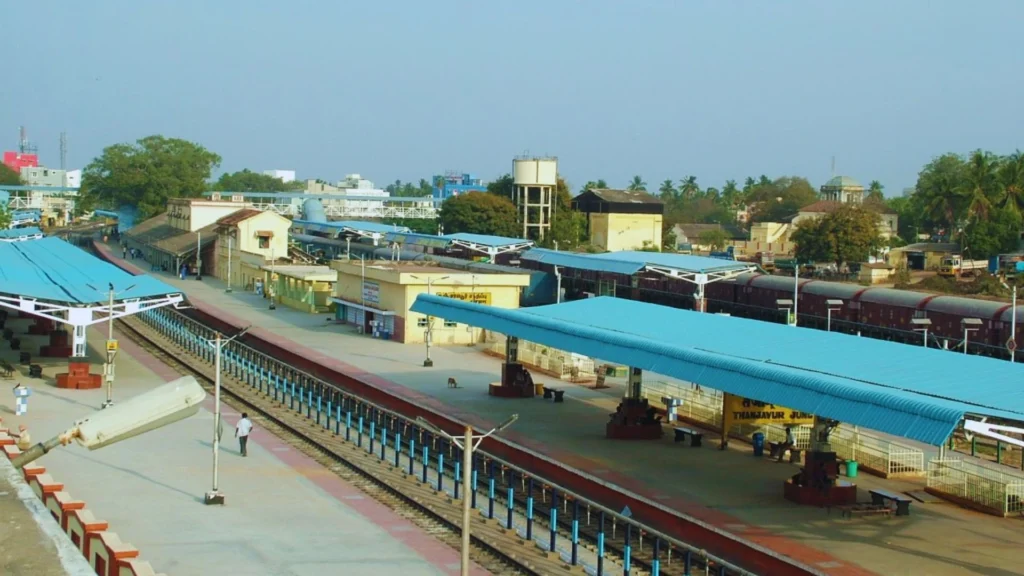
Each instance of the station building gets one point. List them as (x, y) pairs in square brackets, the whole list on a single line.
[(376, 296), (301, 287), (249, 239), (621, 219)]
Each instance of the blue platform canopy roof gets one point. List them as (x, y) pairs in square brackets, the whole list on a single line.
[(52, 270), (16, 233), (350, 226), (631, 262), (909, 391), (489, 241), (582, 261)]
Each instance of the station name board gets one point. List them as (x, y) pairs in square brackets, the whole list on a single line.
[(742, 410), (474, 297)]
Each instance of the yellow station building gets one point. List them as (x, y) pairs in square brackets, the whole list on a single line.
[(376, 296)]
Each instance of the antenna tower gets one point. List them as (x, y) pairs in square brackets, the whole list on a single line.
[(24, 146)]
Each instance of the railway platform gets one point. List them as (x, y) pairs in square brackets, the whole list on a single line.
[(729, 489), (284, 512)]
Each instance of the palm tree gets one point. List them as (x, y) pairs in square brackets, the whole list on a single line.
[(637, 184), (730, 193), (688, 187), (1011, 182), (667, 190), (979, 184), (875, 192)]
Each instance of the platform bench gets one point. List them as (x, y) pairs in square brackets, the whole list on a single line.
[(882, 497), (6, 370), (555, 393), (794, 453), (695, 436), (849, 512)]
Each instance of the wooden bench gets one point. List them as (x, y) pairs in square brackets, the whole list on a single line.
[(556, 393), (863, 509), (883, 497), (695, 436), (6, 370), (794, 453)]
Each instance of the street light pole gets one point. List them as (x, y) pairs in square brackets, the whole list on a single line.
[(108, 367), (229, 262), (468, 443), (273, 287), (427, 363), (215, 496), (796, 289)]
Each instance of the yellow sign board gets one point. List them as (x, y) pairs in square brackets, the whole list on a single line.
[(474, 297), (740, 410), (111, 345)]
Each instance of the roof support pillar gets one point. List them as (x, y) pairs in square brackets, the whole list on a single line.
[(636, 380), (78, 349), (511, 349)]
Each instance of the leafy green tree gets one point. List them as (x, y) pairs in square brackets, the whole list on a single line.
[(249, 181), (600, 184), (730, 194), (937, 190), (637, 183), (978, 184), (714, 239), (9, 177), (997, 233), (417, 225), (479, 213), (688, 187), (567, 225), (5, 218), (147, 174), (848, 234), (504, 187), (774, 201), (875, 193), (667, 190)]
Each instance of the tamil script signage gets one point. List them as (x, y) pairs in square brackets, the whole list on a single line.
[(742, 410), (371, 292), (474, 297)]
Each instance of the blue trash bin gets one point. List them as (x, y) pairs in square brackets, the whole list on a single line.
[(758, 444)]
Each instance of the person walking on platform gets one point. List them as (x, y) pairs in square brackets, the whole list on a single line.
[(21, 394), (242, 433), (788, 443)]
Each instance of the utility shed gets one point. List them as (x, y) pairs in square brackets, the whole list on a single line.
[(621, 219)]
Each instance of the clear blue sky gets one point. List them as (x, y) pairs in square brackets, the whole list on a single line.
[(409, 88)]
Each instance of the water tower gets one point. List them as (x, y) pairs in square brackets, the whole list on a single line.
[(534, 181)]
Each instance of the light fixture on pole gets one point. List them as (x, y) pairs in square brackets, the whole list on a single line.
[(215, 496), (922, 325), (108, 366), (468, 443), (970, 325), (159, 407), (787, 305), (833, 306), (429, 333), (558, 287)]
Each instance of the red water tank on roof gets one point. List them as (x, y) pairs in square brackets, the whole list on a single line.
[(16, 160)]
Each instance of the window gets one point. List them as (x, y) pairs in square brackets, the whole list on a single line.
[(450, 324), (421, 321), (264, 242)]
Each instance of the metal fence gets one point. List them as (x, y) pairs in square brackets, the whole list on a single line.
[(976, 486), (357, 420), (704, 405), (562, 365)]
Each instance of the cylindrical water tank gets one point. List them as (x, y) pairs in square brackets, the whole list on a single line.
[(535, 172), (313, 211)]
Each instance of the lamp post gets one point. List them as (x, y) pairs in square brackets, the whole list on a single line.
[(970, 325), (199, 256), (215, 496), (270, 284), (163, 405), (921, 325), (229, 264), (833, 306), (796, 289), (787, 305), (108, 366), (1011, 344), (427, 363), (468, 443), (558, 288)]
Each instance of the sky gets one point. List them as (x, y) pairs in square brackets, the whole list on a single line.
[(405, 89)]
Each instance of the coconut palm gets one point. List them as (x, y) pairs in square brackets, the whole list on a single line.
[(688, 187), (979, 184), (637, 184), (667, 189), (1011, 182)]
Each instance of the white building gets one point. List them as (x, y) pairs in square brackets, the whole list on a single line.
[(283, 175), (73, 179)]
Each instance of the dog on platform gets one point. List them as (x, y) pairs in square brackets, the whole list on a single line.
[(453, 383)]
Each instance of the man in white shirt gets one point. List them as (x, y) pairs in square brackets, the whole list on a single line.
[(242, 432), (788, 443)]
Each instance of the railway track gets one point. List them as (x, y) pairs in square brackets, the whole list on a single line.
[(410, 505)]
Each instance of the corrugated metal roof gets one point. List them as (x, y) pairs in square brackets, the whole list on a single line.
[(414, 239), (915, 392), (51, 269), (487, 240), (681, 262)]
